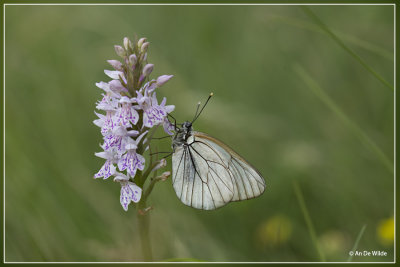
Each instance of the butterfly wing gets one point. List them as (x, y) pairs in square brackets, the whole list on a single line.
[(200, 177), (248, 182), (207, 174)]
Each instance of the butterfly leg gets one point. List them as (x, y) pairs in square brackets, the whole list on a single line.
[(158, 138), (163, 152)]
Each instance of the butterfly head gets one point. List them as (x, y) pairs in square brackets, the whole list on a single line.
[(187, 126), (181, 134), (185, 131)]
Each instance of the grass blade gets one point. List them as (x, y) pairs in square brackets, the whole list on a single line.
[(345, 119), (307, 218), (357, 241), (341, 44), (309, 26)]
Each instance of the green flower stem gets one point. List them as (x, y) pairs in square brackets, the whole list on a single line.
[(143, 216), (142, 178), (153, 181), (149, 189), (144, 225), (147, 172)]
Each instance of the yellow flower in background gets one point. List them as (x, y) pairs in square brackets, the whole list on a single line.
[(334, 242), (274, 231), (385, 231)]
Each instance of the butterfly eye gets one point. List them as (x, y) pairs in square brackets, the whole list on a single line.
[(187, 125)]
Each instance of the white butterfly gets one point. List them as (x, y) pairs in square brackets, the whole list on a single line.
[(207, 174)]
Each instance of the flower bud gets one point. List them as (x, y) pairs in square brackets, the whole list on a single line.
[(132, 59), (127, 43), (117, 87), (163, 79), (165, 176), (144, 57), (161, 164), (144, 211), (152, 85), (141, 78), (115, 64), (148, 69), (144, 47), (120, 177), (141, 41), (119, 50)]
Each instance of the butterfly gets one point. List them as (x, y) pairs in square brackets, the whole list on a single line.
[(206, 173)]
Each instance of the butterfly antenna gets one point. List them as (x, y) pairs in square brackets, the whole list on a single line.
[(205, 104), (173, 119), (197, 110)]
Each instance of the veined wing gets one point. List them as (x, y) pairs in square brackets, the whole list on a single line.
[(248, 182), (207, 174), (200, 177)]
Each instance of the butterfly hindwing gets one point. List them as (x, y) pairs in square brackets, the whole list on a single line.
[(248, 182)]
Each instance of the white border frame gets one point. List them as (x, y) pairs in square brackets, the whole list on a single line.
[(194, 4)]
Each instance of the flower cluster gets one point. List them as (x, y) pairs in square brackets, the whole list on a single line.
[(130, 110)]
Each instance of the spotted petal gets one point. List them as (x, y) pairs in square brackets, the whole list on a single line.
[(153, 115), (131, 161), (168, 127), (106, 170), (129, 192), (127, 115)]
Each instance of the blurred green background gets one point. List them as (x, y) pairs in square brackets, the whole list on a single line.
[(258, 61)]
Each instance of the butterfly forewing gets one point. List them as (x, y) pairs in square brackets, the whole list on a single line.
[(200, 178), (207, 174)]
